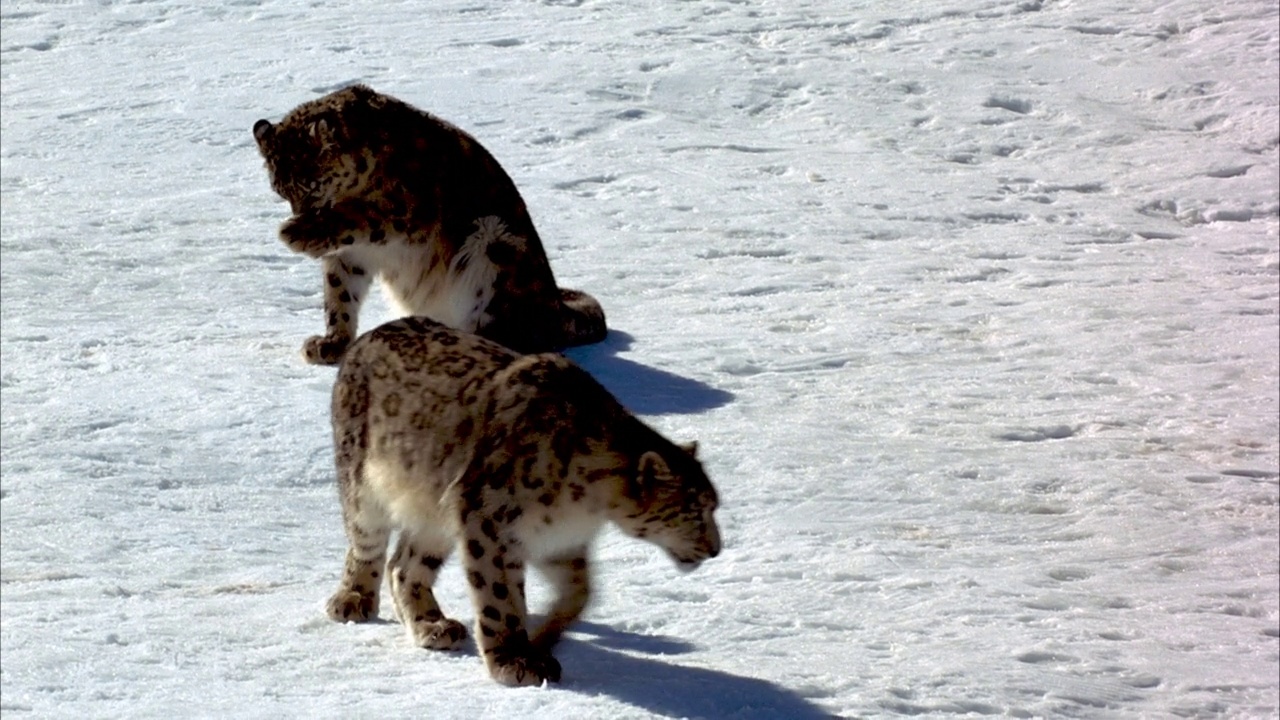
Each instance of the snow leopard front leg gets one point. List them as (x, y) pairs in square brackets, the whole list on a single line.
[(326, 229), (570, 576), (497, 593), (345, 285)]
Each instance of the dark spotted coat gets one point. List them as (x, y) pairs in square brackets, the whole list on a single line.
[(457, 441), (380, 188)]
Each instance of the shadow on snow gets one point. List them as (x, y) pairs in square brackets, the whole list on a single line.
[(642, 389), (666, 688)]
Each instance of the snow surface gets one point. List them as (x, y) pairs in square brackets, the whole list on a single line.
[(972, 305)]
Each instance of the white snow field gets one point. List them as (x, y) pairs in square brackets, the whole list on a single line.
[(972, 305)]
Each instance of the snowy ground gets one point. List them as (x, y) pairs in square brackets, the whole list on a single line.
[(972, 305)]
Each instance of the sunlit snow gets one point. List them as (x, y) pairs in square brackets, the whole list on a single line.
[(972, 305)]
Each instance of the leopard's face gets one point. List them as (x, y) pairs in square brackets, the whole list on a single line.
[(294, 157), (676, 505), (313, 155)]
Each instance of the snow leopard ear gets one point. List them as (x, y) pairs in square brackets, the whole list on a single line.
[(262, 130), (690, 447), (651, 472)]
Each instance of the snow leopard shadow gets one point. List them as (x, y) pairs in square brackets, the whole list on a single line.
[(602, 635), (642, 389), (607, 637), (670, 689)]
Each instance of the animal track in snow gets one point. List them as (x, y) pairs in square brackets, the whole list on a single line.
[(714, 254), (1119, 635), (1070, 574), (651, 66), (1252, 474), (1229, 171), (1095, 29), (997, 218), (982, 275), (586, 181), (732, 147), (1040, 434), (1022, 107), (1042, 192), (1037, 657), (1210, 122)]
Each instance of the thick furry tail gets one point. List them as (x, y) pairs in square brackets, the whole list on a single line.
[(583, 318)]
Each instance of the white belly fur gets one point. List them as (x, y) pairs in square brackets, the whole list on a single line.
[(410, 502), (567, 532), (414, 503), (455, 293)]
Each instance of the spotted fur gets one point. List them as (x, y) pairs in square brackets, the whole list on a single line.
[(380, 188), (457, 441)]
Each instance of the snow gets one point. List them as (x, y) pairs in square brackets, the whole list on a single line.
[(972, 307)]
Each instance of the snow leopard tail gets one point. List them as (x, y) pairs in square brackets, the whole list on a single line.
[(583, 318)]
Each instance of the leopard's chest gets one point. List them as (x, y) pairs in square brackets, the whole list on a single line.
[(570, 529), (422, 279)]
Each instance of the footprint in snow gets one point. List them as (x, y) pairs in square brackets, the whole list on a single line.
[(1016, 105), (1053, 432)]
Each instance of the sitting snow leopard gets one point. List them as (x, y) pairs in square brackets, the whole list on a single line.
[(457, 441), (379, 187)]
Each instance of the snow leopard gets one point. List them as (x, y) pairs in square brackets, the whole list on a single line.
[(380, 188), (460, 443)]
